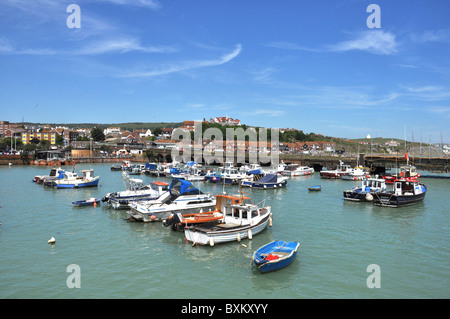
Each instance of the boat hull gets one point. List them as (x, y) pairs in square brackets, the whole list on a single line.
[(391, 200), (75, 184), (201, 236), (80, 203), (357, 196), (285, 253), (155, 215)]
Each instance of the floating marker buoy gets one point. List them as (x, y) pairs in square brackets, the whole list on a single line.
[(52, 240), (244, 245)]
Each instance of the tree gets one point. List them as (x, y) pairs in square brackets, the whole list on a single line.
[(97, 134)]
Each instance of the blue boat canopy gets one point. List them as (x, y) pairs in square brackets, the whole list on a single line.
[(268, 178), (255, 172), (190, 163), (183, 187), (150, 166)]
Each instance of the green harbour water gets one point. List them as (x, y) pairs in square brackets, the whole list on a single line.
[(122, 259)]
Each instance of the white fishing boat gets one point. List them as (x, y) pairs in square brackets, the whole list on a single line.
[(366, 191), (359, 173), (297, 170), (183, 197), (342, 169), (135, 190), (241, 219), (72, 180)]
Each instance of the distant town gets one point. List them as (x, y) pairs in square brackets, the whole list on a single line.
[(115, 141)]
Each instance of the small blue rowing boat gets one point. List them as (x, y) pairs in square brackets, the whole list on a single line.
[(275, 255), (315, 188), (87, 202)]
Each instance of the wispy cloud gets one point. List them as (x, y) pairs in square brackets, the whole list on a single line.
[(263, 75), (441, 35), (186, 65), (151, 4), (121, 46), (372, 41), (291, 46), (93, 48)]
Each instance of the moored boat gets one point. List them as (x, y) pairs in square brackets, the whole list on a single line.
[(266, 182), (87, 202), (342, 169), (366, 191), (296, 170), (315, 188), (54, 173), (242, 219), (275, 255), (359, 173), (183, 197), (135, 190), (402, 192), (178, 222), (72, 180)]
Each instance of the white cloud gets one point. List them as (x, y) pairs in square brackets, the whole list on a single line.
[(187, 65), (151, 4), (372, 41), (122, 46)]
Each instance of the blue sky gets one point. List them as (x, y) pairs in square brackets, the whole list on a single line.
[(310, 65)]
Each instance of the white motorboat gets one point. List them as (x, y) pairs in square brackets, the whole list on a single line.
[(297, 170), (183, 197), (135, 190), (359, 173), (342, 169)]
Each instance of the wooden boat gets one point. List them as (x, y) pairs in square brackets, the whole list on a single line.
[(242, 219), (315, 188), (275, 255), (87, 202), (178, 221), (403, 192)]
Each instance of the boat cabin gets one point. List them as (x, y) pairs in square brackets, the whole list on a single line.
[(373, 184), (408, 171), (407, 187), (237, 208), (88, 173)]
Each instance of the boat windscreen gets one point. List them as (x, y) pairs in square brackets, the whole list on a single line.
[(183, 187)]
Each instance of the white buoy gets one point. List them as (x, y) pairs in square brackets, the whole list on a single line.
[(369, 197), (250, 235), (270, 220), (52, 240), (243, 245), (238, 236), (211, 241)]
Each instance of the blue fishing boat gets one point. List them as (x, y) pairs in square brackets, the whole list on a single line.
[(72, 180), (87, 202), (315, 188), (275, 255)]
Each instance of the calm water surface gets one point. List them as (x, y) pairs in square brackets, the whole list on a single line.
[(121, 259)]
